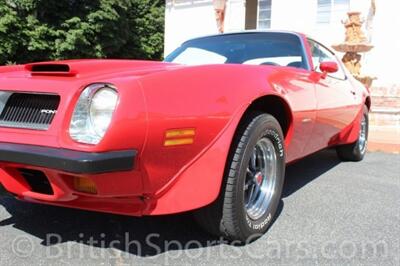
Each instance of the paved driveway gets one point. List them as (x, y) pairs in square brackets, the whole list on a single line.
[(332, 213)]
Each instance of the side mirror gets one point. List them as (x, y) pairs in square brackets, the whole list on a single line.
[(329, 67)]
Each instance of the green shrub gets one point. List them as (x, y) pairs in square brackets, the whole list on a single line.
[(39, 30)]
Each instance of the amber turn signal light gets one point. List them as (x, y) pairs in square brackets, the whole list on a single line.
[(85, 185), (176, 137)]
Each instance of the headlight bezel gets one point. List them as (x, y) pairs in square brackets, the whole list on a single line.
[(82, 128)]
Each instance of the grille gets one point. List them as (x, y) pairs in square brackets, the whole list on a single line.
[(32, 111)]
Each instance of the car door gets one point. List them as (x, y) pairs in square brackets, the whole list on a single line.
[(336, 99), (300, 92)]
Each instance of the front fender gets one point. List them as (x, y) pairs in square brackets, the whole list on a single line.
[(199, 182), (209, 99)]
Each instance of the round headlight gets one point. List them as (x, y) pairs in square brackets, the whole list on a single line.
[(93, 113), (102, 108)]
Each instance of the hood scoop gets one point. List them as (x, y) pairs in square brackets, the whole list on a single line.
[(50, 69), (94, 67)]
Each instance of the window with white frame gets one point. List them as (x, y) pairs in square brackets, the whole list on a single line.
[(264, 14), (331, 11)]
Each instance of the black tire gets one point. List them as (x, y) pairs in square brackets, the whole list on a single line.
[(355, 151), (228, 216)]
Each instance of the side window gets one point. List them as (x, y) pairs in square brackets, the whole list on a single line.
[(321, 54)]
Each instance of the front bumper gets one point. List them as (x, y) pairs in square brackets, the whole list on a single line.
[(3, 191), (119, 184), (70, 161)]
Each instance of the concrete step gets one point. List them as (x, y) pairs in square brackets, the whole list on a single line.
[(385, 117), (385, 110), (384, 134), (387, 91), (384, 138), (392, 102)]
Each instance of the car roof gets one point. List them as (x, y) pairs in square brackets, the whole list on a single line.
[(301, 35)]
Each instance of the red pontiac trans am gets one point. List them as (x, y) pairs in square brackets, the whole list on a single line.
[(209, 129)]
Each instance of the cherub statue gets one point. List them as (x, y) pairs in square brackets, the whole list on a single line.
[(353, 25)]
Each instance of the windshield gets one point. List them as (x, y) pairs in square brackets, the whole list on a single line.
[(278, 49)]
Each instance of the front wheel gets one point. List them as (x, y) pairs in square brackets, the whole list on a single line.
[(252, 185), (357, 150)]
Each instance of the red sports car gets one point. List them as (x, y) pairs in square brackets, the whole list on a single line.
[(210, 129)]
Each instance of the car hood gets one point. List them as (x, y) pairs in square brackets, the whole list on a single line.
[(84, 69)]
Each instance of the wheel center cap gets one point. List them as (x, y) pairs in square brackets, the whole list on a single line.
[(259, 178)]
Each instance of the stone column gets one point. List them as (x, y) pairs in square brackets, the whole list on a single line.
[(220, 9)]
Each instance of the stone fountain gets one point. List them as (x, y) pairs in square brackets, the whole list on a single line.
[(354, 44)]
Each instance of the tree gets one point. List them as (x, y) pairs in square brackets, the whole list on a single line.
[(37, 30)]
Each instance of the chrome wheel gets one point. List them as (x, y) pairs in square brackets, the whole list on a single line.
[(362, 140), (261, 178)]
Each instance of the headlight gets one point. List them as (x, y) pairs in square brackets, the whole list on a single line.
[(93, 113)]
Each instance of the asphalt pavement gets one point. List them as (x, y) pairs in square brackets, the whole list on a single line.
[(332, 213)]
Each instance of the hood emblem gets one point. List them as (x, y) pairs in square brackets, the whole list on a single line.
[(48, 112)]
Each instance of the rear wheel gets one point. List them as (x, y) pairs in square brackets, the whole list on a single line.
[(252, 185), (357, 150)]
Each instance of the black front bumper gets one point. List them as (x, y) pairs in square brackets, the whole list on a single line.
[(68, 160)]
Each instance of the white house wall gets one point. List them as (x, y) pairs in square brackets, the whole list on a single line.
[(383, 61), (191, 18), (293, 14), (186, 19), (235, 15)]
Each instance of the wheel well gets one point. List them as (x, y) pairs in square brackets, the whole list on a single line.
[(368, 102), (275, 106)]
